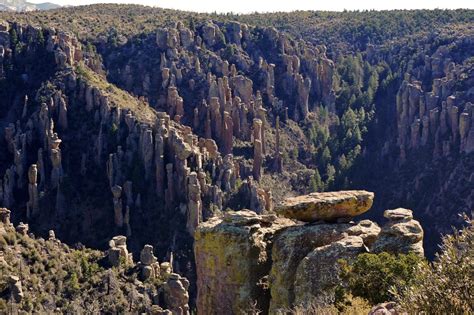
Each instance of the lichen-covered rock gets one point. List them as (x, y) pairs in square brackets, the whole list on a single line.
[(317, 275), (233, 260), (327, 206), (367, 230), (292, 245), (401, 234)]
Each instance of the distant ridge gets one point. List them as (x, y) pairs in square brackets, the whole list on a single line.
[(22, 6)]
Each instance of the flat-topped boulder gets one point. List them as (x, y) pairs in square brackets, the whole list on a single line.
[(399, 214), (327, 206)]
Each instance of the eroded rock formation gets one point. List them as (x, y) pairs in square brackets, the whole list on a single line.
[(278, 263)]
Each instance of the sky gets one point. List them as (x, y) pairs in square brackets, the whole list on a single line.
[(246, 6)]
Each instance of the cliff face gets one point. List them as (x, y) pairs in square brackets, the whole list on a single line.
[(245, 258), (233, 259)]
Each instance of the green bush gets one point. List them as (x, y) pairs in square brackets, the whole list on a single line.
[(373, 276), (447, 285)]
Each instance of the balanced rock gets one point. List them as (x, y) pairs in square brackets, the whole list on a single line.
[(328, 206)]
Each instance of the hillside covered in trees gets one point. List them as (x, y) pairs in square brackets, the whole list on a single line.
[(146, 122)]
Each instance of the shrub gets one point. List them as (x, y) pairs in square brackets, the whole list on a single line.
[(372, 276), (447, 285), (355, 306)]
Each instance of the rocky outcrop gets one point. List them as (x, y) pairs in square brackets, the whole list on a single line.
[(33, 202), (15, 288), (118, 253), (233, 260), (149, 265), (386, 309), (258, 149), (277, 263), (176, 296), (317, 275), (328, 206), (5, 216), (401, 234)]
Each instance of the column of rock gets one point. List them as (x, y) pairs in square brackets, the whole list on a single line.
[(19, 156), (227, 134), (325, 75), (114, 167), (415, 133), (146, 150), (261, 114), (176, 296), (149, 265), (402, 113), (303, 87), (194, 203), (454, 118), (434, 122), (256, 197), (414, 93), (55, 156), (169, 191), (174, 103), (160, 165), (118, 206), (223, 90), (257, 152), (425, 134), (243, 88), (118, 252), (216, 118), (227, 178), (8, 187), (33, 202), (236, 113), (278, 161), (464, 125), (443, 118), (62, 112)]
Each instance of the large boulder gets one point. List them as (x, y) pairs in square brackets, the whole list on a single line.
[(317, 276), (328, 206), (296, 244)]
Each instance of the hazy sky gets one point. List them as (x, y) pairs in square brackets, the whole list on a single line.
[(244, 6)]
